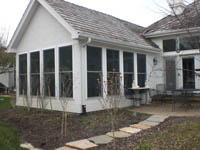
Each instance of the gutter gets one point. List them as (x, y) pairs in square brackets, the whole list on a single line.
[(171, 32), (119, 43)]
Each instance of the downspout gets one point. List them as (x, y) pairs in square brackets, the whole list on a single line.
[(84, 109), (88, 42)]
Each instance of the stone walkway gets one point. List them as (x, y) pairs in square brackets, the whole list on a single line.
[(93, 142)]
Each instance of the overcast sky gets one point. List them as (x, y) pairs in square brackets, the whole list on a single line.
[(141, 12)]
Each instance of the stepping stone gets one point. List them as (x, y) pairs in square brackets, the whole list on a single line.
[(65, 148), (149, 123), (27, 146), (130, 130), (157, 118), (82, 144), (118, 134), (102, 139), (140, 126)]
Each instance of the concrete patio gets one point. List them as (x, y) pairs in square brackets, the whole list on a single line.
[(166, 109)]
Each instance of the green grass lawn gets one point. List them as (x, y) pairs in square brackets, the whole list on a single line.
[(8, 136), (181, 136), (5, 103)]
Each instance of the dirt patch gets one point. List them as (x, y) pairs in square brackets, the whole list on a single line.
[(43, 129)]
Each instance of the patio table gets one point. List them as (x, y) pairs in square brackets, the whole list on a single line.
[(183, 95)]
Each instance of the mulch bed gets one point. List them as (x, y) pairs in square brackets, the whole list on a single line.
[(43, 128)]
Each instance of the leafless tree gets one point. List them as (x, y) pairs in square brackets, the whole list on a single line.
[(110, 96), (64, 100)]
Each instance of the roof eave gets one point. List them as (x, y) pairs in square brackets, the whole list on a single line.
[(120, 43), (172, 32)]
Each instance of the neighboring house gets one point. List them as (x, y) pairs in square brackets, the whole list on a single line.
[(7, 79), (57, 40)]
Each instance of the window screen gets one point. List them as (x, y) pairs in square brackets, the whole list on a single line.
[(128, 70), (49, 72), (23, 74), (141, 67), (113, 74), (66, 76), (94, 71), (35, 73)]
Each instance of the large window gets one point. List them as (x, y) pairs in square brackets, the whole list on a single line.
[(113, 74), (141, 67), (49, 73), (65, 69), (169, 45), (128, 70), (181, 43), (187, 43), (35, 73), (94, 71), (23, 74)]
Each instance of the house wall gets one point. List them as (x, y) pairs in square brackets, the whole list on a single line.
[(45, 32), (42, 32), (4, 79), (179, 57)]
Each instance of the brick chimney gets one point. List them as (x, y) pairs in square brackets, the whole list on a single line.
[(177, 6)]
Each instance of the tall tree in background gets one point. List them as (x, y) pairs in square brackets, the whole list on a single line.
[(7, 61)]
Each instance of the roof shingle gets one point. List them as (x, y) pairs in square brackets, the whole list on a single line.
[(188, 19), (94, 23)]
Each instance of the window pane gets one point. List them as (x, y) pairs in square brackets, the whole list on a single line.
[(128, 79), (23, 64), (35, 62), (169, 45), (94, 84), (49, 63), (49, 80), (23, 84), (128, 62), (35, 85), (113, 83), (93, 58), (141, 69), (141, 80), (65, 58), (112, 60), (141, 60), (187, 43), (66, 85)]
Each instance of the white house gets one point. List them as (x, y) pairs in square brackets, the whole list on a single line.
[(57, 40), (178, 35)]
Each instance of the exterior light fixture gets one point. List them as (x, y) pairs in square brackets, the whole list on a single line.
[(155, 61)]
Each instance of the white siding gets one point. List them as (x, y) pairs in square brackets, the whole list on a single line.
[(43, 31), (4, 79)]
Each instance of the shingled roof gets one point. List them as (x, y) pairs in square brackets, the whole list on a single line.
[(190, 18), (97, 24)]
